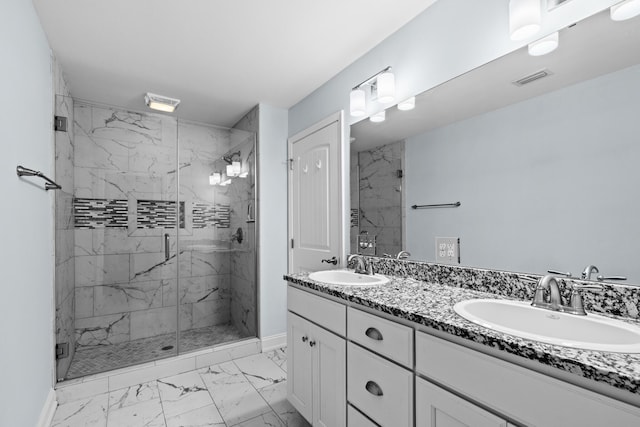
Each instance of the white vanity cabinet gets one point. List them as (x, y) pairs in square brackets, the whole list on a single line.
[(316, 361), (436, 407), (520, 394)]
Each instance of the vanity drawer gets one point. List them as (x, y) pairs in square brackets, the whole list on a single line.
[(322, 311), (356, 419), (382, 336), (379, 388)]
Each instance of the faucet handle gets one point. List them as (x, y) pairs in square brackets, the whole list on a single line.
[(602, 278), (560, 273), (575, 303)]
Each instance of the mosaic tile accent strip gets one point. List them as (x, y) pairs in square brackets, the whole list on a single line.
[(355, 218), (158, 214), (99, 213), (207, 216)]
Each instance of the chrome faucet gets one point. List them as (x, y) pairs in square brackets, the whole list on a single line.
[(403, 255), (588, 271), (363, 266), (548, 284)]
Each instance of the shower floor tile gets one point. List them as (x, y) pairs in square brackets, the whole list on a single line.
[(92, 360)]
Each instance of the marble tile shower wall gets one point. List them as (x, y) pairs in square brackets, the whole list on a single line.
[(243, 215), (64, 237), (125, 288), (380, 196)]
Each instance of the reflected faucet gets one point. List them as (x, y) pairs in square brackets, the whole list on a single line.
[(588, 270), (403, 255), (363, 266)]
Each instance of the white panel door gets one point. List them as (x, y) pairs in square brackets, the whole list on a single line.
[(315, 222), (299, 365), (330, 383)]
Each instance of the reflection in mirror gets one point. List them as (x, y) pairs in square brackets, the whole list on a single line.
[(546, 171)]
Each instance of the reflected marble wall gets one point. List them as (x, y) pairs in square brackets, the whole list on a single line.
[(380, 197), (64, 227)]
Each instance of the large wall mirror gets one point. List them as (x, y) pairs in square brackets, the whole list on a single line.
[(547, 173)]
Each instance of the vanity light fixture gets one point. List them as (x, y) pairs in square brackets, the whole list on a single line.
[(160, 102), (545, 45), (378, 117), (624, 10), (215, 178), (357, 103), (381, 87), (234, 169), (524, 18), (407, 104)]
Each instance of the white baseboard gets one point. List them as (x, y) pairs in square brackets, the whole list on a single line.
[(274, 341), (49, 408)]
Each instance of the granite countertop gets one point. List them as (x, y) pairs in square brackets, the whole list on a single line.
[(432, 304)]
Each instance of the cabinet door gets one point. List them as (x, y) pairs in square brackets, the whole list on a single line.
[(299, 365), (330, 399), (436, 407)]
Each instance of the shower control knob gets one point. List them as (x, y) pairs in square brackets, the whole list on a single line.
[(305, 338)]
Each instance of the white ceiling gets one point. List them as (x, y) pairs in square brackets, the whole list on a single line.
[(220, 57)]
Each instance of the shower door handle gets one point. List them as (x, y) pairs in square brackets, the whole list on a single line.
[(166, 247)]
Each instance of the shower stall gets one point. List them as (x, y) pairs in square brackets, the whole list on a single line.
[(155, 237)]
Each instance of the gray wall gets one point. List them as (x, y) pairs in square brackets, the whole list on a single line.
[(272, 239), (26, 255), (551, 182)]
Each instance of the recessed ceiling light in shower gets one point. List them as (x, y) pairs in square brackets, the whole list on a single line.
[(161, 103)]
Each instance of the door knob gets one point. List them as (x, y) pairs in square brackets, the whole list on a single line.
[(333, 261)]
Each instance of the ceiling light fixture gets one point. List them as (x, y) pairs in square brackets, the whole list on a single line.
[(524, 18), (545, 45), (407, 104), (378, 117), (161, 103), (625, 10), (381, 87)]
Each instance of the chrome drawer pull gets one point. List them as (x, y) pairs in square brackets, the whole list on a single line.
[(373, 388), (374, 334), (305, 338)]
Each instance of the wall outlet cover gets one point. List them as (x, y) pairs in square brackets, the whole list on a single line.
[(448, 250)]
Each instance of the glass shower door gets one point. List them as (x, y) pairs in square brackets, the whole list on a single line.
[(125, 221), (217, 289)]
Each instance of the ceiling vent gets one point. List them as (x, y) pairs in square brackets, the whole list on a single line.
[(533, 77)]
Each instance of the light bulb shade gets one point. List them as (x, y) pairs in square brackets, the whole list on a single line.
[(545, 45), (407, 104), (215, 178), (230, 170), (357, 103), (236, 167), (378, 117), (386, 87), (625, 10), (524, 18)]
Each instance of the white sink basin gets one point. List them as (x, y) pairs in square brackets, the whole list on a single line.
[(590, 332), (348, 278)]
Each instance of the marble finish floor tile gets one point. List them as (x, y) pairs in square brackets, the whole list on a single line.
[(91, 412), (96, 359), (246, 392), (261, 371)]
